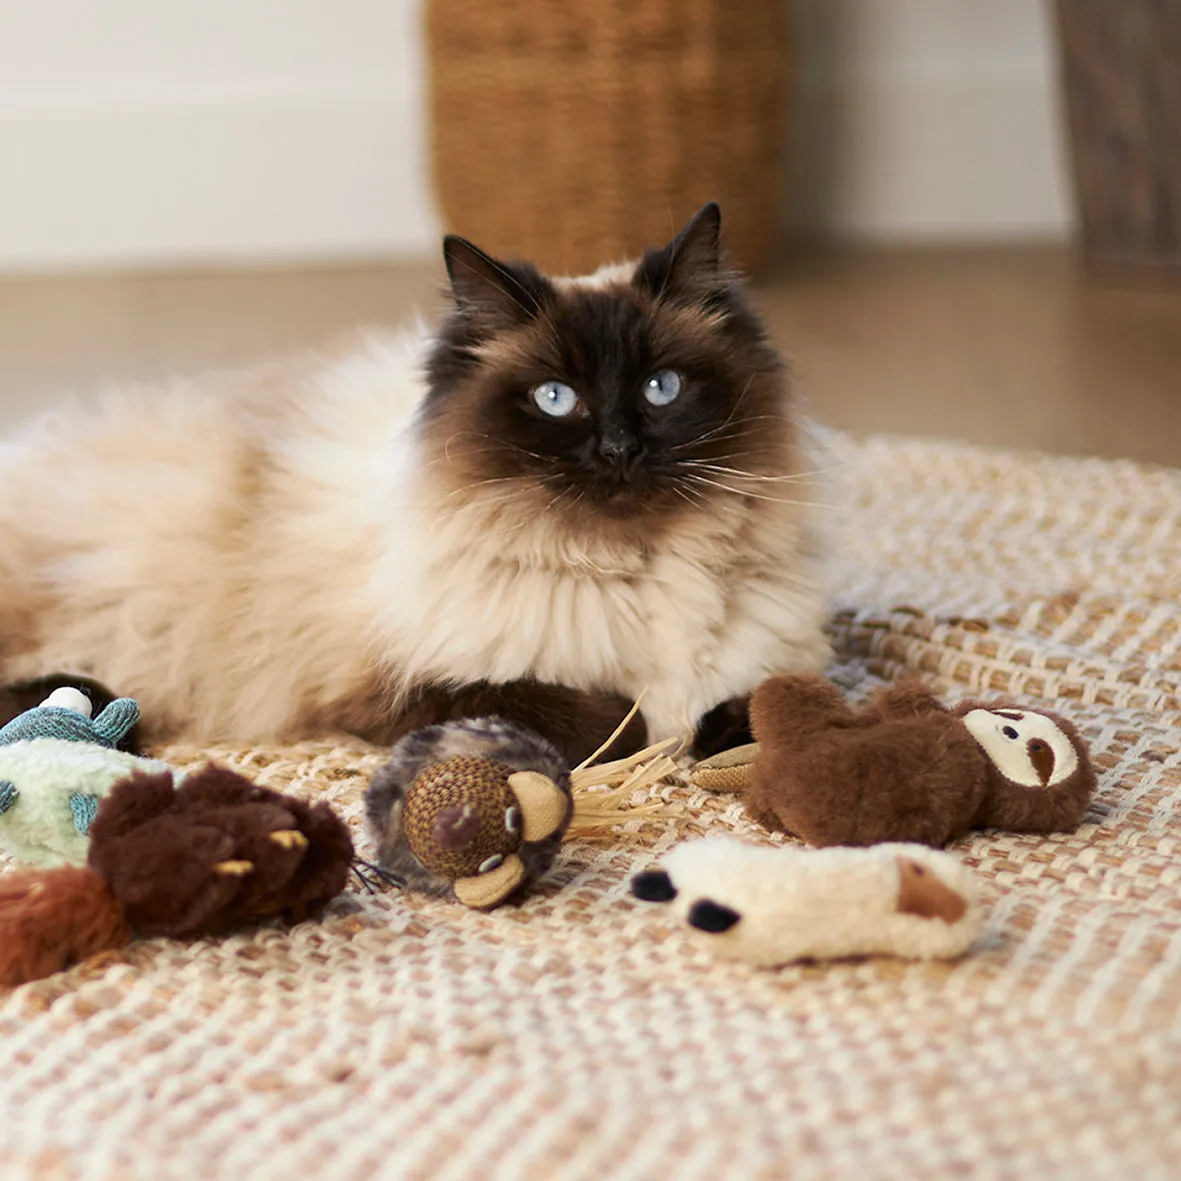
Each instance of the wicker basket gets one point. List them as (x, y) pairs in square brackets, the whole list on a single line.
[(1121, 64), (579, 131)]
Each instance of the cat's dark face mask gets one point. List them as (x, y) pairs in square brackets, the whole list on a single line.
[(641, 392)]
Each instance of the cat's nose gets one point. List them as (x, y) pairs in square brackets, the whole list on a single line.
[(619, 448)]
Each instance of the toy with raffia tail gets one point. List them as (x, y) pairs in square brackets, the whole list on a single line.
[(476, 809)]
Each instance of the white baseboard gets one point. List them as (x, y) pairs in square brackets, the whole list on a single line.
[(218, 180)]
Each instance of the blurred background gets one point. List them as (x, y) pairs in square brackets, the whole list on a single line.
[(963, 218)]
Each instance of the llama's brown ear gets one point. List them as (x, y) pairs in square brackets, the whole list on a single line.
[(922, 893)]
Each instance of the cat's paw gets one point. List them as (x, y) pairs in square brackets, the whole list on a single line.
[(725, 726)]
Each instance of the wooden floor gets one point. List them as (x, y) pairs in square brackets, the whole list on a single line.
[(1017, 348)]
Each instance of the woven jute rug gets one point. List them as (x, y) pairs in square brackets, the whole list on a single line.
[(579, 1036)]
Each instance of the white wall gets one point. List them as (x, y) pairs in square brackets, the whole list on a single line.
[(920, 119), (165, 132)]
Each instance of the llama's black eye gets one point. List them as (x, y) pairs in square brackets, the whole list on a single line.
[(653, 885), (712, 917), (1009, 732)]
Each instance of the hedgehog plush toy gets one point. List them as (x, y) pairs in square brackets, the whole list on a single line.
[(476, 809), (903, 768)]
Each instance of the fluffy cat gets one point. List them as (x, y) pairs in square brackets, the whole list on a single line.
[(573, 490)]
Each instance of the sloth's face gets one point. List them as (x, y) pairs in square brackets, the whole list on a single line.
[(1027, 748)]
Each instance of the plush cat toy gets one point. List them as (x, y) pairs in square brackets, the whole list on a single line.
[(198, 859), (772, 906), (477, 809), (903, 768)]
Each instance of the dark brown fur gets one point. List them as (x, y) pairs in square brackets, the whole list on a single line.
[(160, 849), (724, 727), (904, 768), (575, 721), (618, 466)]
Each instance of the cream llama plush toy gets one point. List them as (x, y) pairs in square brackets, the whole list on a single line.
[(770, 906)]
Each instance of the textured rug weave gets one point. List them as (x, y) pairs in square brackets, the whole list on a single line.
[(579, 1036)]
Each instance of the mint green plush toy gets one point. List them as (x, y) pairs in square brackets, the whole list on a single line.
[(56, 765)]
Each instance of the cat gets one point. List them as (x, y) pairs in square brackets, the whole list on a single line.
[(571, 491)]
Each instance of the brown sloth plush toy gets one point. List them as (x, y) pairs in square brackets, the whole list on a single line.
[(903, 768), (198, 859)]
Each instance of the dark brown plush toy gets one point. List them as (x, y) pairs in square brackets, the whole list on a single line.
[(199, 859), (215, 852), (903, 768)]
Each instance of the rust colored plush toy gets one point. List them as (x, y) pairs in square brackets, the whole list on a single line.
[(198, 859), (903, 768)]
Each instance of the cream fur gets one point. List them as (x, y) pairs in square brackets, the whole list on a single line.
[(250, 554)]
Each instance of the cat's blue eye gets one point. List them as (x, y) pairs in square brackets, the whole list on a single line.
[(555, 398), (663, 387)]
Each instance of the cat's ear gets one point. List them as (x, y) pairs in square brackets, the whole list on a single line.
[(494, 294), (690, 264)]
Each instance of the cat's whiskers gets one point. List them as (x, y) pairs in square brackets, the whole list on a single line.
[(729, 418), (506, 444), (720, 434), (485, 483), (515, 447), (690, 496), (556, 499), (785, 478), (752, 454), (746, 492), (446, 459)]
